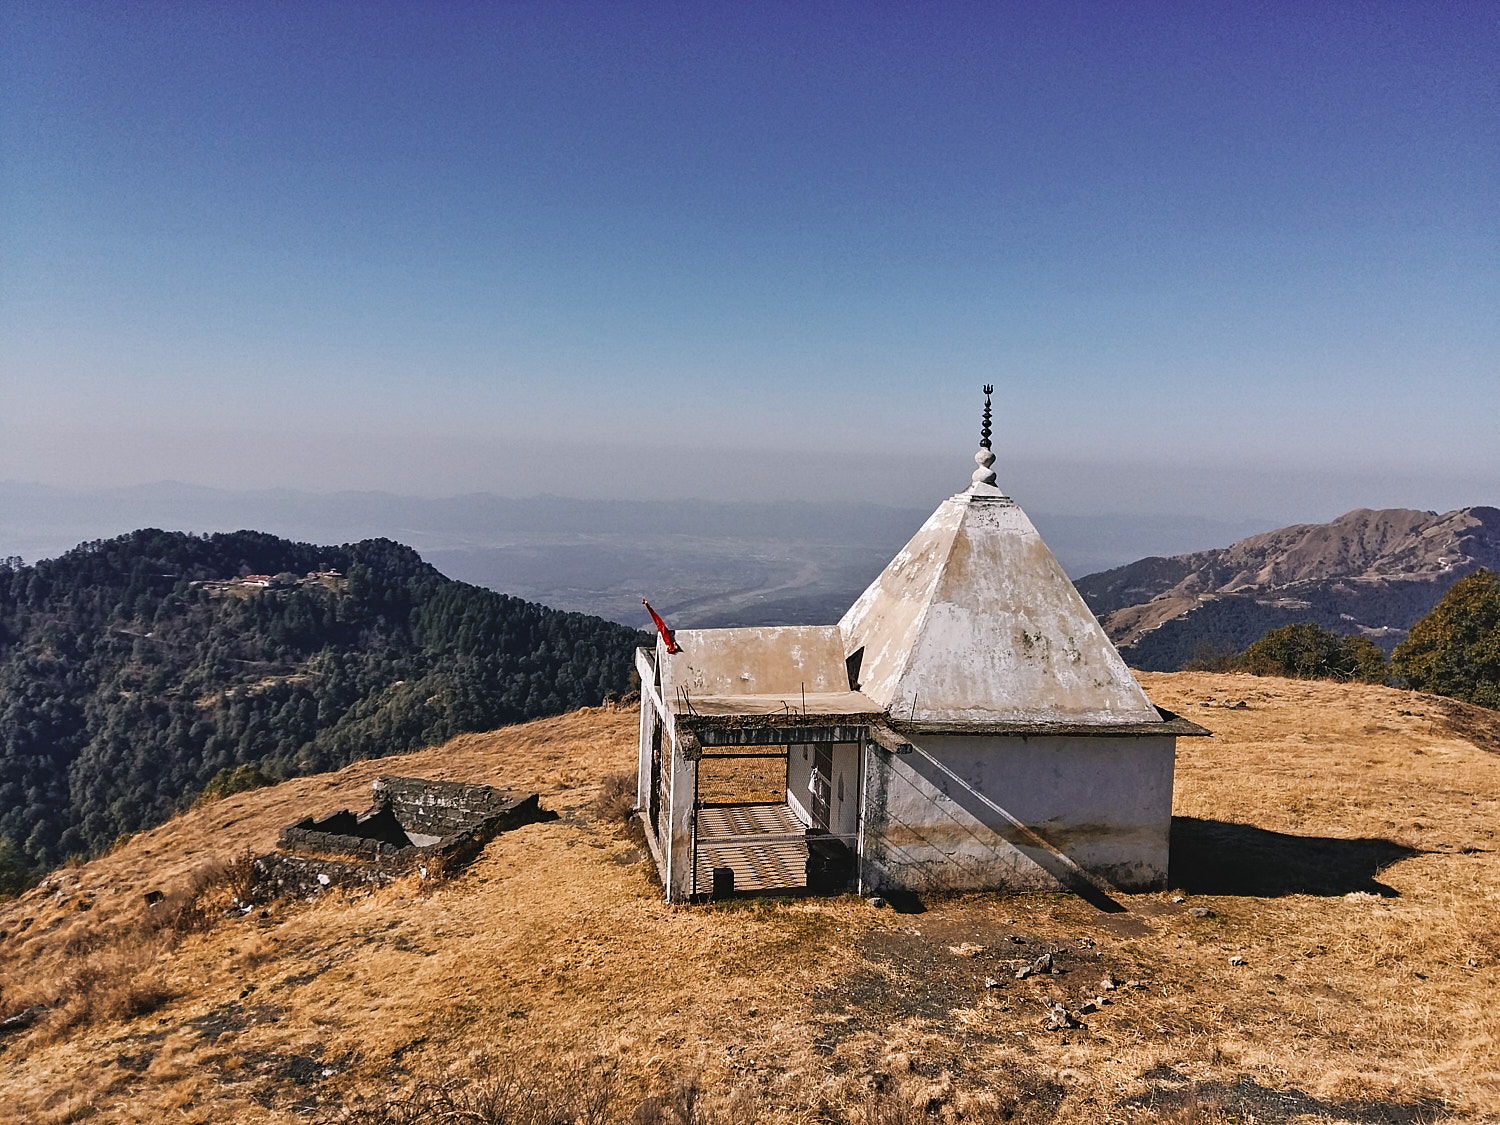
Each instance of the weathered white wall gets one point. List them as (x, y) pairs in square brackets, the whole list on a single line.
[(975, 621), (650, 711), (843, 799), (673, 846), (798, 773), (679, 824), (936, 819), (843, 803)]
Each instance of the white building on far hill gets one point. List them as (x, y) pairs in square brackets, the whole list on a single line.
[(966, 726)]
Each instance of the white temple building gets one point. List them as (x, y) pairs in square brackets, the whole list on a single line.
[(967, 725)]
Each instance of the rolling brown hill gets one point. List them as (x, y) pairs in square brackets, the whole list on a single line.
[(1371, 572), (1334, 958)]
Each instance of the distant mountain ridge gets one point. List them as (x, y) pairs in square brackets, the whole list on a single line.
[(1374, 572)]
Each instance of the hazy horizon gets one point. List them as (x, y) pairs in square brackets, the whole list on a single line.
[(1236, 264), (706, 562)]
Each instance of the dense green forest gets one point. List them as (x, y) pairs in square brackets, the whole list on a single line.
[(1231, 622), (1453, 651), (133, 670)]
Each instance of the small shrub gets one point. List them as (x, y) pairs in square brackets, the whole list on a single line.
[(1214, 656), (1455, 649), (1307, 651), (616, 801), (438, 868), (234, 779), (238, 875), (213, 889)]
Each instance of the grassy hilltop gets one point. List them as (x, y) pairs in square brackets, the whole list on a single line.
[(1340, 840), (135, 671)]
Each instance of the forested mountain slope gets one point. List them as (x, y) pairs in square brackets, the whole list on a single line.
[(1374, 572), (132, 670)]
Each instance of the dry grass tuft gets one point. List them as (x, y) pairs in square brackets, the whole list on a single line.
[(497, 1092), (257, 953), (213, 889), (116, 984), (616, 801)]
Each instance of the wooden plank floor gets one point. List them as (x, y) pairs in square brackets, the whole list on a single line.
[(757, 867)]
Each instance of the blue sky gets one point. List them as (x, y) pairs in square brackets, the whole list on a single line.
[(1232, 259)]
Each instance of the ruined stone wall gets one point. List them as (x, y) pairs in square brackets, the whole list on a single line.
[(280, 875), (441, 808), (307, 835), (343, 849)]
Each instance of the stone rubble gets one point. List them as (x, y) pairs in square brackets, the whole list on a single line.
[(1060, 1019)]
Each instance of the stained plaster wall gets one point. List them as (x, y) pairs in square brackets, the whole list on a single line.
[(936, 819)]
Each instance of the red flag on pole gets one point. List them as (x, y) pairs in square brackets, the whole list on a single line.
[(661, 627)]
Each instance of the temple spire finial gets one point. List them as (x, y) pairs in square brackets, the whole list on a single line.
[(983, 480)]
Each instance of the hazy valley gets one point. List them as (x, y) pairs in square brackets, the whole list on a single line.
[(706, 563)]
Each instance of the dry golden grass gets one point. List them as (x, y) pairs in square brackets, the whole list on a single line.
[(1366, 994)]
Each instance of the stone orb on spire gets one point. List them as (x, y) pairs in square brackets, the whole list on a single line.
[(982, 483)]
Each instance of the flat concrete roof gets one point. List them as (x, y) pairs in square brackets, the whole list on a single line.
[(783, 661)]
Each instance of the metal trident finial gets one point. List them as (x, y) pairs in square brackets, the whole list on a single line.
[(984, 431)]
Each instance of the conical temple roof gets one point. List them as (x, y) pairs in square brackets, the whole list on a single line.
[(975, 621)]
